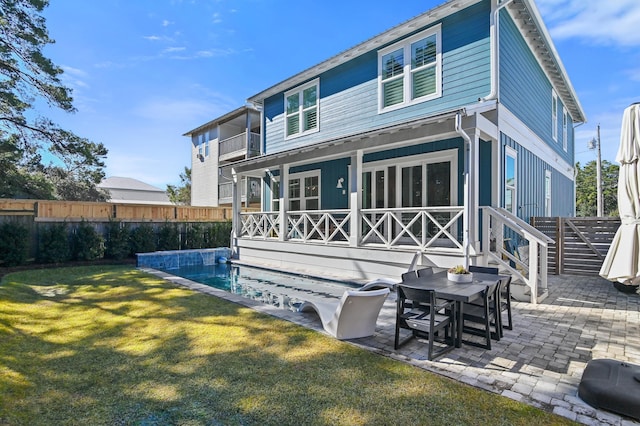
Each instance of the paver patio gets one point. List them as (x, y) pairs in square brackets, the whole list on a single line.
[(539, 362)]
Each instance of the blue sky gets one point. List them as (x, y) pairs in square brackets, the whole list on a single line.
[(144, 72)]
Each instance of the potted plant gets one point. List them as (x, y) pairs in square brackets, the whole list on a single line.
[(459, 274)]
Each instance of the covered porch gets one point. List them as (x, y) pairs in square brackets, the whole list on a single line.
[(369, 205)]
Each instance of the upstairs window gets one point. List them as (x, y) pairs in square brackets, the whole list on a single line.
[(554, 115), (301, 110), (410, 71), (565, 129)]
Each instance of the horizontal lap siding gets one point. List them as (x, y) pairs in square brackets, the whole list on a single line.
[(530, 185), (525, 89), (349, 92)]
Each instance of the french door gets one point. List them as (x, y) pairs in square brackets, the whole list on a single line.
[(424, 182)]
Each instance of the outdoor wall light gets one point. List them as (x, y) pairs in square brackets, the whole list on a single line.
[(340, 182)]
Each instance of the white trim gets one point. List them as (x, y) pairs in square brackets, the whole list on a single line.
[(511, 126), (405, 45), (298, 90)]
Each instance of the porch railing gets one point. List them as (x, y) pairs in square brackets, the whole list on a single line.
[(237, 146), (499, 229), (422, 228)]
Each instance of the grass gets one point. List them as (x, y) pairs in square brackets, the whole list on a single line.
[(110, 345)]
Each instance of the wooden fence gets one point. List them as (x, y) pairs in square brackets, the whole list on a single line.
[(72, 211), (581, 243)]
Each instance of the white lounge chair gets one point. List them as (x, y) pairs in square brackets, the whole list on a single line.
[(351, 317)]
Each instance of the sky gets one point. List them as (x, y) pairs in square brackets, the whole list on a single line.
[(144, 72)]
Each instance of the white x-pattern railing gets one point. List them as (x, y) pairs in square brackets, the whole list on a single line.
[(421, 228), (414, 227), (319, 225), (260, 225)]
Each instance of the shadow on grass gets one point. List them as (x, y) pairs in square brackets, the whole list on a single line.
[(112, 345)]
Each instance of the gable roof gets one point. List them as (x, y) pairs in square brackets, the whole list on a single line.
[(524, 12), (116, 182)]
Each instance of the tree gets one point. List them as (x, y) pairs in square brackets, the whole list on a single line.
[(587, 193), (181, 194), (25, 76)]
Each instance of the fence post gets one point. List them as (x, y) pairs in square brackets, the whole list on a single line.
[(560, 246)]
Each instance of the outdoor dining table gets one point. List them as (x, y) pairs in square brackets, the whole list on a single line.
[(461, 293)]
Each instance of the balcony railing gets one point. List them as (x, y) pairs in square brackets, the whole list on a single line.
[(236, 146), (421, 228), (225, 191)]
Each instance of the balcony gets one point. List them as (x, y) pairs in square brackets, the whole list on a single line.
[(225, 191), (235, 147)]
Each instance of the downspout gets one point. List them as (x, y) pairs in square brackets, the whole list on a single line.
[(467, 191), (494, 35)]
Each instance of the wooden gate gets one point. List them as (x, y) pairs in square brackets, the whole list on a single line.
[(581, 243)]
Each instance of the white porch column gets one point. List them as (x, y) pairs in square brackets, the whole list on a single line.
[(236, 207), (355, 199), (284, 201), (474, 186)]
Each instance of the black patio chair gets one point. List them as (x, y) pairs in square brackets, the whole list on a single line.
[(426, 317), (479, 317), (505, 294)]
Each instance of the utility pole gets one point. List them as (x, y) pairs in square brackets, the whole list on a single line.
[(599, 178), (595, 143)]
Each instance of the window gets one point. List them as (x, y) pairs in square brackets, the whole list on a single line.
[(410, 71), (275, 195), (304, 192), (510, 180), (547, 193), (201, 146), (206, 144), (565, 123), (301, 110), (554, 115)]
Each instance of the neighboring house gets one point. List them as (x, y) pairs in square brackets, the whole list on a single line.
[(395, 146), (232, 137), (133, 191)]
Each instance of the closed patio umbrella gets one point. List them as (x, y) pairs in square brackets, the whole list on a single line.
[(622, 263)]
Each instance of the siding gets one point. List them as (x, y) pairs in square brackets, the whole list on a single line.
[(525, 89), (530, 185), (349, 93)]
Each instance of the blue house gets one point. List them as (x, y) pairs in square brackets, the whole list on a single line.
[(432, 143)]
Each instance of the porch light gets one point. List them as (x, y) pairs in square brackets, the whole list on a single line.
[(340, 182)]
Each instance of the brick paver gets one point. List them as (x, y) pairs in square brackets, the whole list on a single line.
[(539, 362)]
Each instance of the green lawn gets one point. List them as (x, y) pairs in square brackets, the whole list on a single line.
[(112, 345)]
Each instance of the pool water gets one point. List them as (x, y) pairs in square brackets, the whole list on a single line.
[(285, 291)]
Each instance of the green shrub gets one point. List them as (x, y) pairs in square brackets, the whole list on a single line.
[(14, 243), (117, 241), (53, 244), (168, 237), (87, 243), (218, 234), (195, 236), (143, 239)]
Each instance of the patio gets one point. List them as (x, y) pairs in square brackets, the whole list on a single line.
[(540, 361)]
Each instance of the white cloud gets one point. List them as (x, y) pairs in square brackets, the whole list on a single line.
[(166, 23), (595, 21), (174, 49), (217, 18)]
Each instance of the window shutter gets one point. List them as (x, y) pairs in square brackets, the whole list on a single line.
[(293, 124), (393, 92), (424, 82)]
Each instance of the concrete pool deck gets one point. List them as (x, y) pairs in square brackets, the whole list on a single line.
[(540, 362)]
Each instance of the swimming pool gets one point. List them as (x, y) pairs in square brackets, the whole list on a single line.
[(279, 289)]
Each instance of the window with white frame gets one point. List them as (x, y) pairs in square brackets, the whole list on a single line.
[(304, 191), (510, 179), (565, 129), (547, 193), (410, 71), (554, 115), (275, 194), (201, 146), (301, 110)]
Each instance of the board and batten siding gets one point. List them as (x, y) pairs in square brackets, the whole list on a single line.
[(530, 185), (526, 91), (349, 93)]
